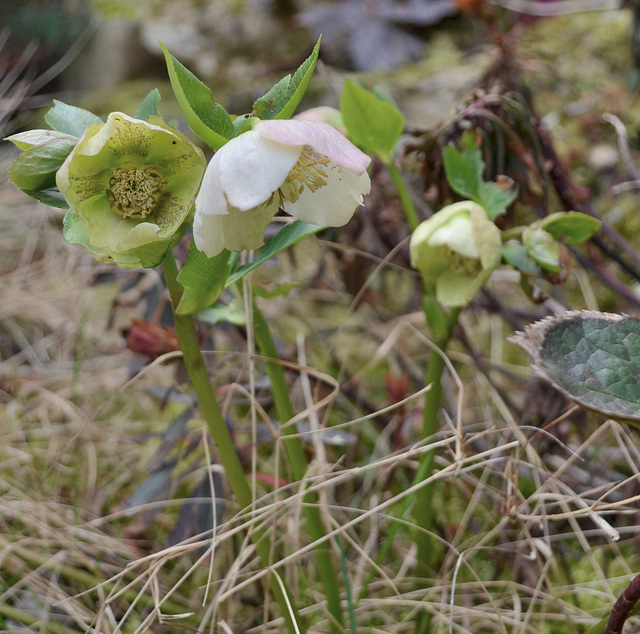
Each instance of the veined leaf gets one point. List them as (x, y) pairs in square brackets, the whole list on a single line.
[(209, 120), (283, 99)]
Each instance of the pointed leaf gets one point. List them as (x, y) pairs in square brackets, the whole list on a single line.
[(70, 119), (287, 236), (203, 280), (283, 99), (32, 138), (465, 170), (36, 168), (592, 357), (373, 123), (149, 105), (209, 120)]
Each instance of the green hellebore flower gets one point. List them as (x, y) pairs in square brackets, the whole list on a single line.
[(130, 184), (456, 250)]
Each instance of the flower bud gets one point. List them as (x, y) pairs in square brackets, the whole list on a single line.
[(456, 250)]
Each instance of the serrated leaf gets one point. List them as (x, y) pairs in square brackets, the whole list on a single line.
[(149, 105), (203, 280), (283, 99), (465, 174), (592, 357), (542, 247), (286, 237), (209, 120), (372, 123), (35, 169), (70, 119), (570, 227)]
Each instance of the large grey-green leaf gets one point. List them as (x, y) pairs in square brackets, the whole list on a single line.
[(592, 357)]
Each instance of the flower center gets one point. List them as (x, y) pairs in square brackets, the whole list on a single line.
[(134, 191), (307, 172), (461, 263)]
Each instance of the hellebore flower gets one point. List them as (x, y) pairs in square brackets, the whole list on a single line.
[(129, 184), (306, 168), (456, 250)]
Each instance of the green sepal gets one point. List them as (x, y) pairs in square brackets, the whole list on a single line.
[(542, 247), (373, 123), (148, 256), (283, 99), (209, 120), (70, 119), (35, 169), (516, 255), (149, 106), (203, 280), (465, 174)]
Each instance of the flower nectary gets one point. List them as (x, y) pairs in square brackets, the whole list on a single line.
[(306, 168), (130, 184)]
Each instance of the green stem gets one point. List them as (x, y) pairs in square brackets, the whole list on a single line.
[(423, 508), (299, 465), (403, 192), (210, 411)]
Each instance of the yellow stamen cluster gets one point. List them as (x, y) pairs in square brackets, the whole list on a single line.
[(307, 172), (134, 191)]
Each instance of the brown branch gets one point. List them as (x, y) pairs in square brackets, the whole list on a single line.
[(623, 607)]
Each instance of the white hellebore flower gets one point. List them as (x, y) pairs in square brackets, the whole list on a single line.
[(306, 168)]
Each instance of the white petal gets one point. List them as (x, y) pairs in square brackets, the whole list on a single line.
[(236, 231), (320, 136), (334, 204), (210, 199), (252, 169), (457, 234)]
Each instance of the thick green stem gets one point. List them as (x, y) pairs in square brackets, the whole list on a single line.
[(299, 465), (210, 411), (405, 198)]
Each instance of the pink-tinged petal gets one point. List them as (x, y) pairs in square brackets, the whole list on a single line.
[(236, 230), (320, 136), (334, 204), (253, 168)]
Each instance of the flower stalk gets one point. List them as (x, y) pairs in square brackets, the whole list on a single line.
[(210, 411), (299, 465)]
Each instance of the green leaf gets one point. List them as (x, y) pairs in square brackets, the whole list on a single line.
[(70, 119), (232, 313), (203, 280), (372, 123), (570, 227), (209, 120), (32, 138), (35, 169), (283, 99), (287, 236), (542, 247), (592, 357), (149, 105), (465, 173), (516, 255), (51, 197)]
